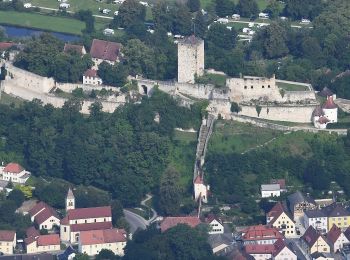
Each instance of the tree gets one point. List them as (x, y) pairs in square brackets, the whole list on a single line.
[(193, 5), (114, 75), (17, 196), (224, 8), (298, 9), (130, 12), (87, 17), (235, 107), (181, 20), (7, 211), (80, 256), (247, 8), (170, 192), (200, 25), (274, 9), (221, 37), (106, 254), (117, 211)]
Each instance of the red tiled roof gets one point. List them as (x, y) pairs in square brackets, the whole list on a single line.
[(7, 235), (198, 180), (97, 212), (105, 50), (329, 103), (259, 249), (210, 218), (279, 245), (32, 232), (45, 240), (261, 232), (44, 215), (91, 226), (276, 211), (29, 240), (281, 182), (64, 221), (333, 234), (6, 45), (72, 47), (13, 168), (170, 222), (94, 237), (37, 208), (90, 73), (311, 236)]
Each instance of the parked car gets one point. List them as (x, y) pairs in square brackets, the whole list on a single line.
[(236, 17), (106, 11), (64, 6), (27, 5), (108, 32)]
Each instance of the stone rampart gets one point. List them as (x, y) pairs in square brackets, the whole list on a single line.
[(69, 87), (297, 96), (199, 91)]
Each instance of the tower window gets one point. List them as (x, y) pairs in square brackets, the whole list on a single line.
[(251, 87), (245, 87), (263, 86), (268, 86)]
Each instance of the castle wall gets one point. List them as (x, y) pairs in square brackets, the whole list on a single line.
[(190, 61), (199, 91), (296, 96), (69, 87), (289, 113)]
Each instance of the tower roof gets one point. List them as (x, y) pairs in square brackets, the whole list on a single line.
[(70, 194), (193, 40), (329, 103)]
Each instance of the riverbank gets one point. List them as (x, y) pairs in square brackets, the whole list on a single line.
[(42, 22)]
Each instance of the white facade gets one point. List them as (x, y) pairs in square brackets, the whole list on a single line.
[(339, 244), (92, 80), (285, 254), (216, 227), (331, 114), (50, 223), (200, 190), (20, 177), (190, 54), (6, 247), (270, 190), (34, 248), (319, 223), (261, 256), (92, 250)]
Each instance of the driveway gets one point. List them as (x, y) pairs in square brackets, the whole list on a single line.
[(135, 221)]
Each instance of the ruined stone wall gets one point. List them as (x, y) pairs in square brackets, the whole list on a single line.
[(69, 87), (297, 96)]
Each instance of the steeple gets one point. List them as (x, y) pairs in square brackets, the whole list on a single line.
[(70, 200)]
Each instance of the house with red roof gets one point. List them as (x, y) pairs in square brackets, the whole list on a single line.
[(44, 216), (105, 51), (336, 238), (169, 222), (278, 251), (93, 241), (279, 218), (215, 225), (325, 115), (260, 234), (90, 77), (14, 172), (83, 219), (7, 241), (43, 243), (312, 241)]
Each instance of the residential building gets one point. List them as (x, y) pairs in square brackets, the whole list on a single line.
[(261, 235), (105, 51), (32, 232), (322, 256), (80, 49), (281, 182), (220, 243), (298, 203), (15, 173), (279, 218), (336, 239), (44, 216), (337, 215), (83, 219), (270, 190), (169, 222), (312, 241), (277, 251), (200, 189), (7, 241), (90, 77), (43, 243), (316, 218), (282, 251), (93, 241), (215, 225)]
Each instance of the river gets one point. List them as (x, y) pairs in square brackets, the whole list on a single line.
[(21, 32)]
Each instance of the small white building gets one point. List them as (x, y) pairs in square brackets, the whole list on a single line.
[(330, 110), (93, 241), (200, 190), (270, 190), (336, 239), (44, 243), (317, 219), (90, 77), (15, 173), (215, 225), (44, 216), (264, 16), (236, 17), (7, 241)]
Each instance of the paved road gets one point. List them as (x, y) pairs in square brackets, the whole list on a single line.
[(261, 23), (154, 213), (135, 221)]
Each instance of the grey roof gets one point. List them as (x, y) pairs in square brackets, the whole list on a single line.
[(219, 239), (298, 197), (3, 184), (317, 213), (70, 194), (270, 187), (336, 210)]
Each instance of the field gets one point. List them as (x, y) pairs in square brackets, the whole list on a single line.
[(44, 22), (229, 136), (292, 87)]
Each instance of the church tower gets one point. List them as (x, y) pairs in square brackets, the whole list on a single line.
[(70, 200)]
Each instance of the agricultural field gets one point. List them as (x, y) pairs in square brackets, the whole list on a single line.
[(44, 22)]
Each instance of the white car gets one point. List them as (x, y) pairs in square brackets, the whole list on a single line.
[(118, 1), (116, 13), (236, 17), (264, 16), (246, 30), (108, 32), (144, 3), (64, 5), (106, 11), (223, 20), (305, 21), (27, 5)]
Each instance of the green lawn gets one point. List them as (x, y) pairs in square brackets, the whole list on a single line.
[(44, 22), (229, 136), (292, 87), (214, 79), (6, 99), (186, 137)]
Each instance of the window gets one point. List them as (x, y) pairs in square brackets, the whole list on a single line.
[(268, 86), (251, 87), (263, 86), (245, 87)]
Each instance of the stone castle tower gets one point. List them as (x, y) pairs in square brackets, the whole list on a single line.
[(70, 200), (190, 54)]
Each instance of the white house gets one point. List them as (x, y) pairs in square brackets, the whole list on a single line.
[(93, 241), (215, 225), (15, 173), (105, 51), (90, 77), (264, 16), (277, 251), (7, 241), (200, 190), (44, 216), (279, 217), (330, 110), (282, 251), (44, 243), (336, 239), (317, 219), (270, 190)]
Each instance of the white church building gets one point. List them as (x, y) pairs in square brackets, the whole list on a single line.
[(326, 115)]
